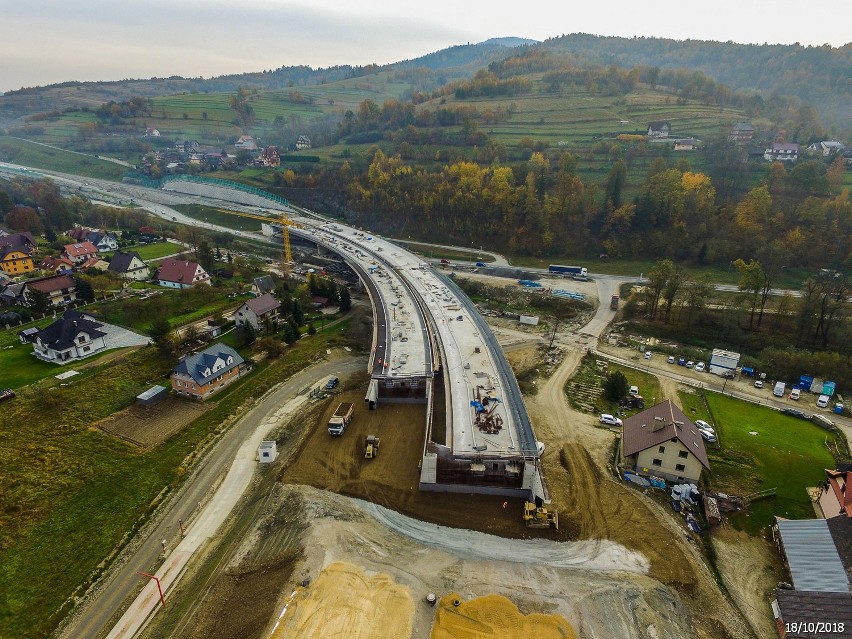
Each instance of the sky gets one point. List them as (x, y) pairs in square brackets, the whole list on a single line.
[(49, 41)]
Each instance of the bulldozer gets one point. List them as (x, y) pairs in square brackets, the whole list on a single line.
[(371, 447), (539, 516)]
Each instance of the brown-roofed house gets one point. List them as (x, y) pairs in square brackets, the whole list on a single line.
[(181, 274), (835, 498), (80, 251), (60, 289), (56, 264), (258, 311), (663, 442)]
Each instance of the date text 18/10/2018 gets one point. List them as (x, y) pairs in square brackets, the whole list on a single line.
[(827, 627)]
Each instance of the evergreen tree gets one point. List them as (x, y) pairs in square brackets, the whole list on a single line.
[(345, 300), (615, 386)]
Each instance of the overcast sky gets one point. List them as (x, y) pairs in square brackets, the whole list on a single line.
[(47, 41)]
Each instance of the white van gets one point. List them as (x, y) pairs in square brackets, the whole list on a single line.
[(779, 389), (822, 401), (795, 394)]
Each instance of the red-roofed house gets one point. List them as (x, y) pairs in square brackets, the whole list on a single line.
[(80, 252), (181, 274), (56, 264), (663, 442), (835, 498)]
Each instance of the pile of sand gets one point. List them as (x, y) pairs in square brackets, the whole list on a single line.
[(495, 617), (345, 602)]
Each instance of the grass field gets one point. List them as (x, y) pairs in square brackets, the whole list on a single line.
[(18, 365), (788, 454), (219, 217), (70, 493), (155, 251), (30, 154)]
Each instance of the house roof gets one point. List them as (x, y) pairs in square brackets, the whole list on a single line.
[(6, 248), (198, 363), (815, 608), (841, 532), (264, 284), (121, 261), (80, 249), (52, 263), (839, 482), (17, 239), (777, 146), (657, 125), (659, 424), (51, 283), (60, 335), (180, 271), (263, 304), (812, 556), (743, 126), (79, 233)]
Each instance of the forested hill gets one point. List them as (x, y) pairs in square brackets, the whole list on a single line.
[(821, 76)]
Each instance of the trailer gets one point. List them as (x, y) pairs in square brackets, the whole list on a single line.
[(341, 418), (722, 362), (559, 269)]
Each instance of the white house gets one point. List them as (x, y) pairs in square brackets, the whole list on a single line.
[(129, 266), (181, 274), (303, 142), (72, 336), (107, 243), (782, 152), (659, 129), (257, 311)]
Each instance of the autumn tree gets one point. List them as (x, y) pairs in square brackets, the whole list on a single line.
[(751, 283), (24, 218)]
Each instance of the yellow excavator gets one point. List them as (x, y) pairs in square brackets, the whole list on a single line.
[(539, 516)]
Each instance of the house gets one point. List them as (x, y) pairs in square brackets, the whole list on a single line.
[(186, 146), (95, 263), (15, 259), (80, 252), (685, 144), (818, 554), (303, 142), (246, 143), (151, 132), (129, 266), (181, 274), (208, 371), (269, 157), (659, 129), (742, 134), (107, 243), (782, 152), (72, 336), (60, 289), (258, 311), (20, 239), (663, 442), (835, 497), (13, 294), (83, 234), (827, 148), (263, 284), (319, 302), (56, 264)]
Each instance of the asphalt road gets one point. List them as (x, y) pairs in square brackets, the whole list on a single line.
[(95, 617)]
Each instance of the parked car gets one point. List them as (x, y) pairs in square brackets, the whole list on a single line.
[(681, 361), (702, 425), (794, 412), (708, 436), (648, 354), (822, 401), (699, 367), (6, 393), (610, 420), (795, 394), (758, 384), (671, 359), (690, 364), (332, 383)]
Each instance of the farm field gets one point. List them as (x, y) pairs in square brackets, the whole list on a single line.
[(787, 453), (30, 154)]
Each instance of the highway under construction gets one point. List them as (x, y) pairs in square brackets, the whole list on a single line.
[(431, 345)]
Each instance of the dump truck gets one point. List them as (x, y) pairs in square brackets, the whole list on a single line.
[(539, 516), (341, 418), (371, 447), (613, 302)]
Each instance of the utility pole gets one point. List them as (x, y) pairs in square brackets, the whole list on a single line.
[(553, 335)]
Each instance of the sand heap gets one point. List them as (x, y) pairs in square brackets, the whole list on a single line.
[(495, 617), (344, 602)]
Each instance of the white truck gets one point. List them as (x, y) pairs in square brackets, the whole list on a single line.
[(341, 418), (780, 388)]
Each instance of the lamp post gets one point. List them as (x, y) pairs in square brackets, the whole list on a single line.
[(159, 587)]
